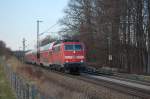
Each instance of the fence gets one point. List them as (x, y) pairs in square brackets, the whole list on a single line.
[(22, 87)]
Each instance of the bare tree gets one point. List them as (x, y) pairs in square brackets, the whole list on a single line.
[(117, 28), (4, 50), (148, 26)]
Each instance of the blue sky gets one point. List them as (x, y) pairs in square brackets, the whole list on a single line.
[(18, 19)]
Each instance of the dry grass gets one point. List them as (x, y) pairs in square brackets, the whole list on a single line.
[(5, 89), (147, 78), (62, 87), (15, 64)]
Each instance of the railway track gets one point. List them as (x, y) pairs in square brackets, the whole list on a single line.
[(121, 76), (118, 76), (131, 88), (125, 86), (129, 80)]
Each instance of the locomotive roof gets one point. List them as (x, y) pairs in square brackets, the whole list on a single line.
[(50, 45), (65, 40)]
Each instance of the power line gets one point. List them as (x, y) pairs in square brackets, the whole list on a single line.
[(49, 28)]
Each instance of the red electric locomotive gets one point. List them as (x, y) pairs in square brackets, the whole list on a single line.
[(67, 55)]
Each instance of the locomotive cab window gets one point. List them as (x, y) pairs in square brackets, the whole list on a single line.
[(78, 47), (69, 47), (73, 47)]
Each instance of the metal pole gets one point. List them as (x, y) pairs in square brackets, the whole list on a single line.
[(38, 46), (24, 45), (19, 53), (37, 36)]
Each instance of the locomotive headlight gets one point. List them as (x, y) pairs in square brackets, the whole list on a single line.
[(81, 61), (66, 61)]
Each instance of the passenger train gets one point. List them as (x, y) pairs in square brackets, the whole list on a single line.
[(63, 55)]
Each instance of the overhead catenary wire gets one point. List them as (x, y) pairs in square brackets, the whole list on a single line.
[(47, 30)]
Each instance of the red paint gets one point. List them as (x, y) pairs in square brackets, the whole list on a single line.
[(56, 54)]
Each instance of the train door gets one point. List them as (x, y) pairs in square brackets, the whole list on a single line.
[(56, 55), (50, 57)]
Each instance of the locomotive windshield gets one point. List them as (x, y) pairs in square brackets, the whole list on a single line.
[(73, 47)]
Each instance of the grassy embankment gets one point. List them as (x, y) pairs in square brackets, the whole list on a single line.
[(5, 90), (62, 87)]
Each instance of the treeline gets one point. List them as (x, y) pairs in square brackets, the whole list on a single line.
[(116, 32), (4, 50)]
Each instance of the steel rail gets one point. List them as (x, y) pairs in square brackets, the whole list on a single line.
[(119, 87)]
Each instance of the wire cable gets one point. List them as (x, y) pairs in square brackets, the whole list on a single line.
[(49, 28)]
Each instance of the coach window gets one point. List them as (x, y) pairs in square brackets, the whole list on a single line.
[(54, 49), (57, 49)]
